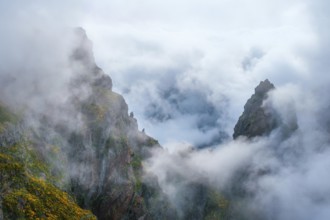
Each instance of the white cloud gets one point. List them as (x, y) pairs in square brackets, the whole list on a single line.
[(140, 44), (201, 48)]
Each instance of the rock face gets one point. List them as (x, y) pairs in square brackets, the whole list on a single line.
[(108, 150), (256, 120), (98, 153)]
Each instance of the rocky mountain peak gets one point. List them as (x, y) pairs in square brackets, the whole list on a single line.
[(264, 87), (83, 61), (84, 48), (256, 119)]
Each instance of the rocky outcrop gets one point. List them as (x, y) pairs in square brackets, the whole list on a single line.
[(256, 120)]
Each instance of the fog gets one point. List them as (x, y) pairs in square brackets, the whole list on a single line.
[(186, 70), (219, 51)]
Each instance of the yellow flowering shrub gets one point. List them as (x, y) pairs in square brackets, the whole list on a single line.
[(29, 197)]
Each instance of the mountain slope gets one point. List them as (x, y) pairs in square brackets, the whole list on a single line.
[(87, 146), (28, 189)]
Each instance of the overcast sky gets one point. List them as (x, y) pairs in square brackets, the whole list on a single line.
[(186, 68)]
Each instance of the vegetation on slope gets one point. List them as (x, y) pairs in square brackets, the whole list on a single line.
[(27, 189)]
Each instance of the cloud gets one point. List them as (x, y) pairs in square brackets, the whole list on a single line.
[(281, 176), (186, 69), (226, 47)]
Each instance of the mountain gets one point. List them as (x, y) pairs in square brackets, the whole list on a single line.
[(256, 120), (83, 158), (109, 149), (93, 158), (260, 118)]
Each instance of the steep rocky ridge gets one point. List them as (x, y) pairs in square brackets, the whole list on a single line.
[(97, 158), (106, 153)]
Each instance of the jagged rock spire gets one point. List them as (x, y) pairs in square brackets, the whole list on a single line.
[(256, 120)]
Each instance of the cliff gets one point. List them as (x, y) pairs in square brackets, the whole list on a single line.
[(51, 168)]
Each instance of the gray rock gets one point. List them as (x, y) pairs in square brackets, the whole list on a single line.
[(256, 120)]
